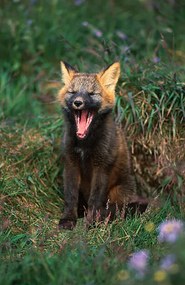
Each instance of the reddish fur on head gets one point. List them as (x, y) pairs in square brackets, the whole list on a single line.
[(96, 93), (106, 79)]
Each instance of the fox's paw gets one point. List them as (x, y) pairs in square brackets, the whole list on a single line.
[(67, 224)]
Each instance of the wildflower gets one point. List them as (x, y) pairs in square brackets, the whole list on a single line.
[(155, 59), (149, 227), (93, 30), (123, 275), (125, 49), (160, 275), (167, 262), (97, 33), (169, 231), (121, 35), (174, 269), (139, 261), (79, 2)]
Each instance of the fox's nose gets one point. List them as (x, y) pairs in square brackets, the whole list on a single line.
[(78, 103)]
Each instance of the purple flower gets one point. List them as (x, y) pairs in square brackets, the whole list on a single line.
[(93, 29), (125, 49), (97, 33), (167, 262), (79, 2), (138, 262), (155, 59), (169, 231), (121, 35)]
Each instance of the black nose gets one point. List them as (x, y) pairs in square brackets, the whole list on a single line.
[(78, 103)]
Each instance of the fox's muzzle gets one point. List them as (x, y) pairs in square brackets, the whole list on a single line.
[(78, 103)]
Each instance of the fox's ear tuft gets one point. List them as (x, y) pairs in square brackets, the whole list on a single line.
[(109, 76), (67, 72)]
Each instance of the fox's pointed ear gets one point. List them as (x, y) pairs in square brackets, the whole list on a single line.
[(109, 76), (67, 72)]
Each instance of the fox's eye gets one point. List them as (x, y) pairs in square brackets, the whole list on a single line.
[(93, 93), (71, 91)]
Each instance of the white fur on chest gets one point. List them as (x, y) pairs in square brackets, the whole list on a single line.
[(80, 151)]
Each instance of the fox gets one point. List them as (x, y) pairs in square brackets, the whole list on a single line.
[(98, 176)]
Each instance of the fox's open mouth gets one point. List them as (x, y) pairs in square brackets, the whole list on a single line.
[(83, 120)]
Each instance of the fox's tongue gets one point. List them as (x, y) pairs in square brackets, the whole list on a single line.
[(83, 120), (81, 123)]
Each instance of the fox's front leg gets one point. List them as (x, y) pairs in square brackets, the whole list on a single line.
[(71, 177), (98, 196)]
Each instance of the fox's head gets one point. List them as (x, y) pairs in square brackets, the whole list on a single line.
[(85, 96)]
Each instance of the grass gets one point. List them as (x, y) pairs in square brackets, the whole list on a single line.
[(148, 40)]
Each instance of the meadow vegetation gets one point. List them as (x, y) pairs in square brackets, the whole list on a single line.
[(147, 37)]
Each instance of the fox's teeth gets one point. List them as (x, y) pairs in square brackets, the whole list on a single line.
[(89, 118)]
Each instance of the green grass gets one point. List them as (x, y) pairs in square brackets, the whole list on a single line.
[(35, 36)]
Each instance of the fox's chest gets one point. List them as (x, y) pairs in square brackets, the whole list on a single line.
[(81, 153), (85, 160)]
